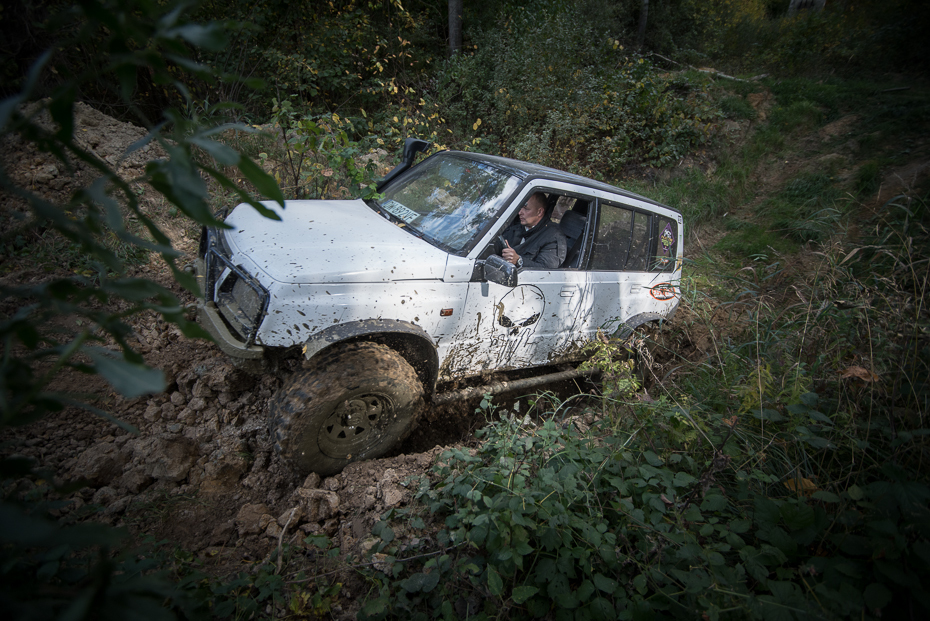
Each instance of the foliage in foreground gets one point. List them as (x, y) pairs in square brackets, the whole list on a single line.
[(786, 481), (599, 526), (49, 569)]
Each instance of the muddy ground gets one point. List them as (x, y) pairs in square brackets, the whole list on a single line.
[(199, 470), (195, 465)]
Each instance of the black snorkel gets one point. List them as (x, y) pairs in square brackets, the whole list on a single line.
[(412, 146)]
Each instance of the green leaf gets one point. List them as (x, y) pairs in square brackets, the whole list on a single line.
[(608, 585), (381, 529), (495, 583), (602, 609), (652, 458), (374, 608), (319, 541), (522, 593), (877, 596), (522, 548), (584, 592), (714, 502), (855, 492), (639, 583), (810, 399), (826, 496), (768, 415), (262, 181), (550, 539), (48, 570), (227, 156), (129, 379), (418, 582), (211, 37), (820, 417)]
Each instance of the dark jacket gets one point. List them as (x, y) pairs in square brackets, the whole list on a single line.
[(541, 247)]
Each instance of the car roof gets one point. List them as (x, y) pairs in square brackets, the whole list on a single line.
[(527, 171)]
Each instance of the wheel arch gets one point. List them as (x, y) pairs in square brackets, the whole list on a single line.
[(408, 339), (627, 327)]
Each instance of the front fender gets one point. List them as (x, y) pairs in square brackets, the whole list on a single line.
[(408, 339)]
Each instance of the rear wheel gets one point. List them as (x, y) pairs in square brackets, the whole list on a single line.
[(353, 403)]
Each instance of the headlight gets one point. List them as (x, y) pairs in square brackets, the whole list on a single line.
[(242, 303)]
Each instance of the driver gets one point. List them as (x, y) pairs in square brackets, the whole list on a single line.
[(536, 241)]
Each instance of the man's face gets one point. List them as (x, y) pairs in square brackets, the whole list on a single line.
[(532, 212)]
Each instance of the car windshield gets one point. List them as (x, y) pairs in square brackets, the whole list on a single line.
[(450, 200)]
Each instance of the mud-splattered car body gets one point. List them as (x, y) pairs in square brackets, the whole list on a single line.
[(414, 270)]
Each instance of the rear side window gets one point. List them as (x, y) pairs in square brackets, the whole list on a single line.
[(612, 240), (633, 241)]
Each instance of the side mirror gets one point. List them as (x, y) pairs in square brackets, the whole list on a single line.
[(412, 146), (498, 270)]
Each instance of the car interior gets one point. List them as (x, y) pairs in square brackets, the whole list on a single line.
[(571, 214)]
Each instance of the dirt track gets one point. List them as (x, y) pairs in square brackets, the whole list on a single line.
[(201, 472)]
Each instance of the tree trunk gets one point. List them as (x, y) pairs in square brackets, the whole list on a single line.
[(455, 26), (641, 34)]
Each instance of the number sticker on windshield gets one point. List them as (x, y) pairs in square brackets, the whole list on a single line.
[(396, 209)]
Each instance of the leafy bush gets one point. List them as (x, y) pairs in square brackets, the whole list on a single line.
[(548, 87), (756, 34), (48, 570), (666, 516), (783, 479), (319, 159)]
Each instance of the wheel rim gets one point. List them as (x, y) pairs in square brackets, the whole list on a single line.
[(356, 425)]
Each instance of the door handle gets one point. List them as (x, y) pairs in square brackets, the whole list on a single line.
[(568, 292)]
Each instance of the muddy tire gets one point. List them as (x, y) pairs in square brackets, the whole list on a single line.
[(351, 404)]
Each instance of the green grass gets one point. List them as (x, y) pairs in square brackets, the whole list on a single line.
[(797, 116), (868, 178), (701, 197), (748, 240), (806, 209), (736, 107)]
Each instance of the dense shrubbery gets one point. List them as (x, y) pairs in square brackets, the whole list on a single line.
[(743, 494), (758, 34), (548, 87), (783, 478)]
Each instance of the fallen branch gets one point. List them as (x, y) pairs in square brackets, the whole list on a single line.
[(710, 71)]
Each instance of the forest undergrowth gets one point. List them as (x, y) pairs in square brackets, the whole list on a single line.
[(776, 466)]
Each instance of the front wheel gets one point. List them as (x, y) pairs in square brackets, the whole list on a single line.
[(353, 403)]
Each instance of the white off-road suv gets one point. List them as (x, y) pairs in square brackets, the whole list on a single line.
[(388, 299)]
